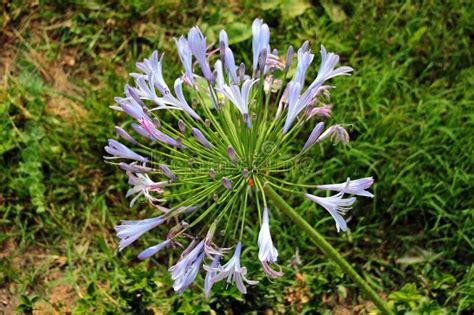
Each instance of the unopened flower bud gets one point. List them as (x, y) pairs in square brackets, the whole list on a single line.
[(124, 135), (181, 126), (242, 71), (226, 183), (212, 173), (289, 57), (157, 123), (232, 155)]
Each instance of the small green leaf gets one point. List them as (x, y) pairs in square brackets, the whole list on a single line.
[(334, 11), (418, 35), (238, 32), (293, 8), (269, 4)]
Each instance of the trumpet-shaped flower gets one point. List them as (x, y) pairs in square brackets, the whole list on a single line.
[(152, 69), (239, 97), (120, 151), (336, 206), (143, 185), (260, 41), (232, 271), (185, 270), (148, 128), (267, 252), (229, 63), (354, 187), (337, 132), (326, 69), (130, 231), (197, 43), (305, 57), (210, 275), (219, 74), (186, 56), (132, 108)]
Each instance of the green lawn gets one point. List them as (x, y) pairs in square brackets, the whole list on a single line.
[(409, 102)]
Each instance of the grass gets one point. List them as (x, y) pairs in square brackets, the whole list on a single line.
[(409, 104)]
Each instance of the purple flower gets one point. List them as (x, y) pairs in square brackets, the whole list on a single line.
[(219, 74), (131, 93), (262, 61), (267, 252), (197, 43), (232, 271), (272, 61), (336, 206), (229, 64), (151, 132), (260, 41), (305, 57), (141, 131), (181, 103), (125, 135), (338, 132), (182, 283), (324, 111), (223, 39), (201, 138), (146, 90), (314, 135), (130, 231), (296, 103), (186, 56), (143, 185), (150, 251), (234, 141), (239, 97), (209, 275), (120, 151), (185, 270), (353, 187), (132, 108), (326, 69), (152, 67)]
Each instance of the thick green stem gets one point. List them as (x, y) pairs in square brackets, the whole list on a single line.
[(330, 251)]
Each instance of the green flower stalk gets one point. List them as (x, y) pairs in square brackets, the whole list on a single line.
[(227, 134)]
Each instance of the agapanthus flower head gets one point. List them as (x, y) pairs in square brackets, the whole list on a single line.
[(213, 142)]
